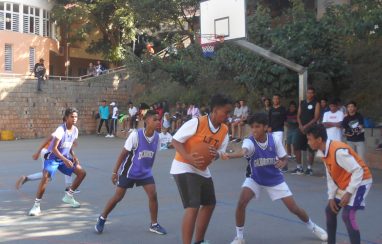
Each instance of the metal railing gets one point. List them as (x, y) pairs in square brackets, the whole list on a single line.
[(63, 77)]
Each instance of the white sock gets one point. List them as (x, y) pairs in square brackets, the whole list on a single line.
[(154, 224), (37, 201), (310, 225), (68, 180), (299, 166), (240, 232), (102, 217), (35, 176), (70, 192)]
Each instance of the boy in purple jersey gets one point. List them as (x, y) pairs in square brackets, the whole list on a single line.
[(266, 156), (61, 157), (133, 167)]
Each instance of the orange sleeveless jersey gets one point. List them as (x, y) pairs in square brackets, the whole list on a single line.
[(204, 135), (339, 175)]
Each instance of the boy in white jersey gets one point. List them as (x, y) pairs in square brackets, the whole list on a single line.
[(266, 156), (61, 157)]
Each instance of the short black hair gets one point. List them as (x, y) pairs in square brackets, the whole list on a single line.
[(260, 118), (150, 113), (219, 100), (352, 102), (317, 131), (69, 111), (311, 88), (276, 95), (333, 101), (324, 99)]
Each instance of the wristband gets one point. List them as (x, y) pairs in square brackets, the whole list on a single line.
[(114, 173)]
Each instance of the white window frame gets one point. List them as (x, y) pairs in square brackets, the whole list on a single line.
[(32, 58)]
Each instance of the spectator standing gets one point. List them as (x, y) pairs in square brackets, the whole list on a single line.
[(104, 113), (323, 108), (133, 112), (114, 120), (333, 121), (39, 72), (292, 128), (354, 129), (267, 105), (308, 114), (277, 118)]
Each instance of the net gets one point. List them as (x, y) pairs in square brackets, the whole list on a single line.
[(209, 47)]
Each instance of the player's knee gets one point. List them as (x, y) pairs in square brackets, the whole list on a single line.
[(153, 197)]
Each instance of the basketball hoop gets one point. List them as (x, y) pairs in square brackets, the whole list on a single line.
[(208, 48)]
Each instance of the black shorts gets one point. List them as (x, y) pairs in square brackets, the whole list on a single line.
[(125, 182), (195, 190), (301, 142)]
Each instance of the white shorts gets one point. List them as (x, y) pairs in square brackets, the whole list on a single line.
[(275, 192)]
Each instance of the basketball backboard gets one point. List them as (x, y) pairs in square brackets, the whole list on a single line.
[(222, 18)]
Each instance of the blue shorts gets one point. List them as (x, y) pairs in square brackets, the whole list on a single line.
[(51, 166)]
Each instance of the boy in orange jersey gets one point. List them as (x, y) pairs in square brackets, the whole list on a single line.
[(190, 170), (349, 181)]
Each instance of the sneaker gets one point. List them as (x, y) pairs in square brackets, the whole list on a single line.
[(100, 224), (107, 136), (237, 240), (320, 233), (238, 140), (111, 136), (35, 211), (70, 200), (21, 182), (131, 130), (308, 172), (157, 229), (297, 171), (284, 170)]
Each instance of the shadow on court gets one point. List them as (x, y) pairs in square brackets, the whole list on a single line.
[(266, 222)]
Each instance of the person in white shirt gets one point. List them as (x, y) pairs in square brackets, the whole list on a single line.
[(242, 112), (114, 120), (165, 139), (193, 111), (190, 169), (332, 121), (132, 118)]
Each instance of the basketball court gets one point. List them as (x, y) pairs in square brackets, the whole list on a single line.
[(267, 222)]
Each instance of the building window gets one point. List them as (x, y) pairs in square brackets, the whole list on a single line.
[(31, 20), (8, 57), (32, 58), (9, 16), (46, 25)]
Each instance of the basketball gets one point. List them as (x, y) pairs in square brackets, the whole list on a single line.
[(203, 150)]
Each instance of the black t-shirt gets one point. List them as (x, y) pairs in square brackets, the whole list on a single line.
[(291, 119), (351, 125), (277, 117), (307, 111), (39, 70)]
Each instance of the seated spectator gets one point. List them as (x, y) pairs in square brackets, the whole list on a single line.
[(235, 118), (193, 111), (166, 122), (243, 111), (131, 119), (165, 139), (99, 68), (91, 70)]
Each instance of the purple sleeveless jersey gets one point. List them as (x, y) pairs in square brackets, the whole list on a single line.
[(262, 164), (140, 161), (65, 144)]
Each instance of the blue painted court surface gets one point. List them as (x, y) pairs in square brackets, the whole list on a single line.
[(267, 222)]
